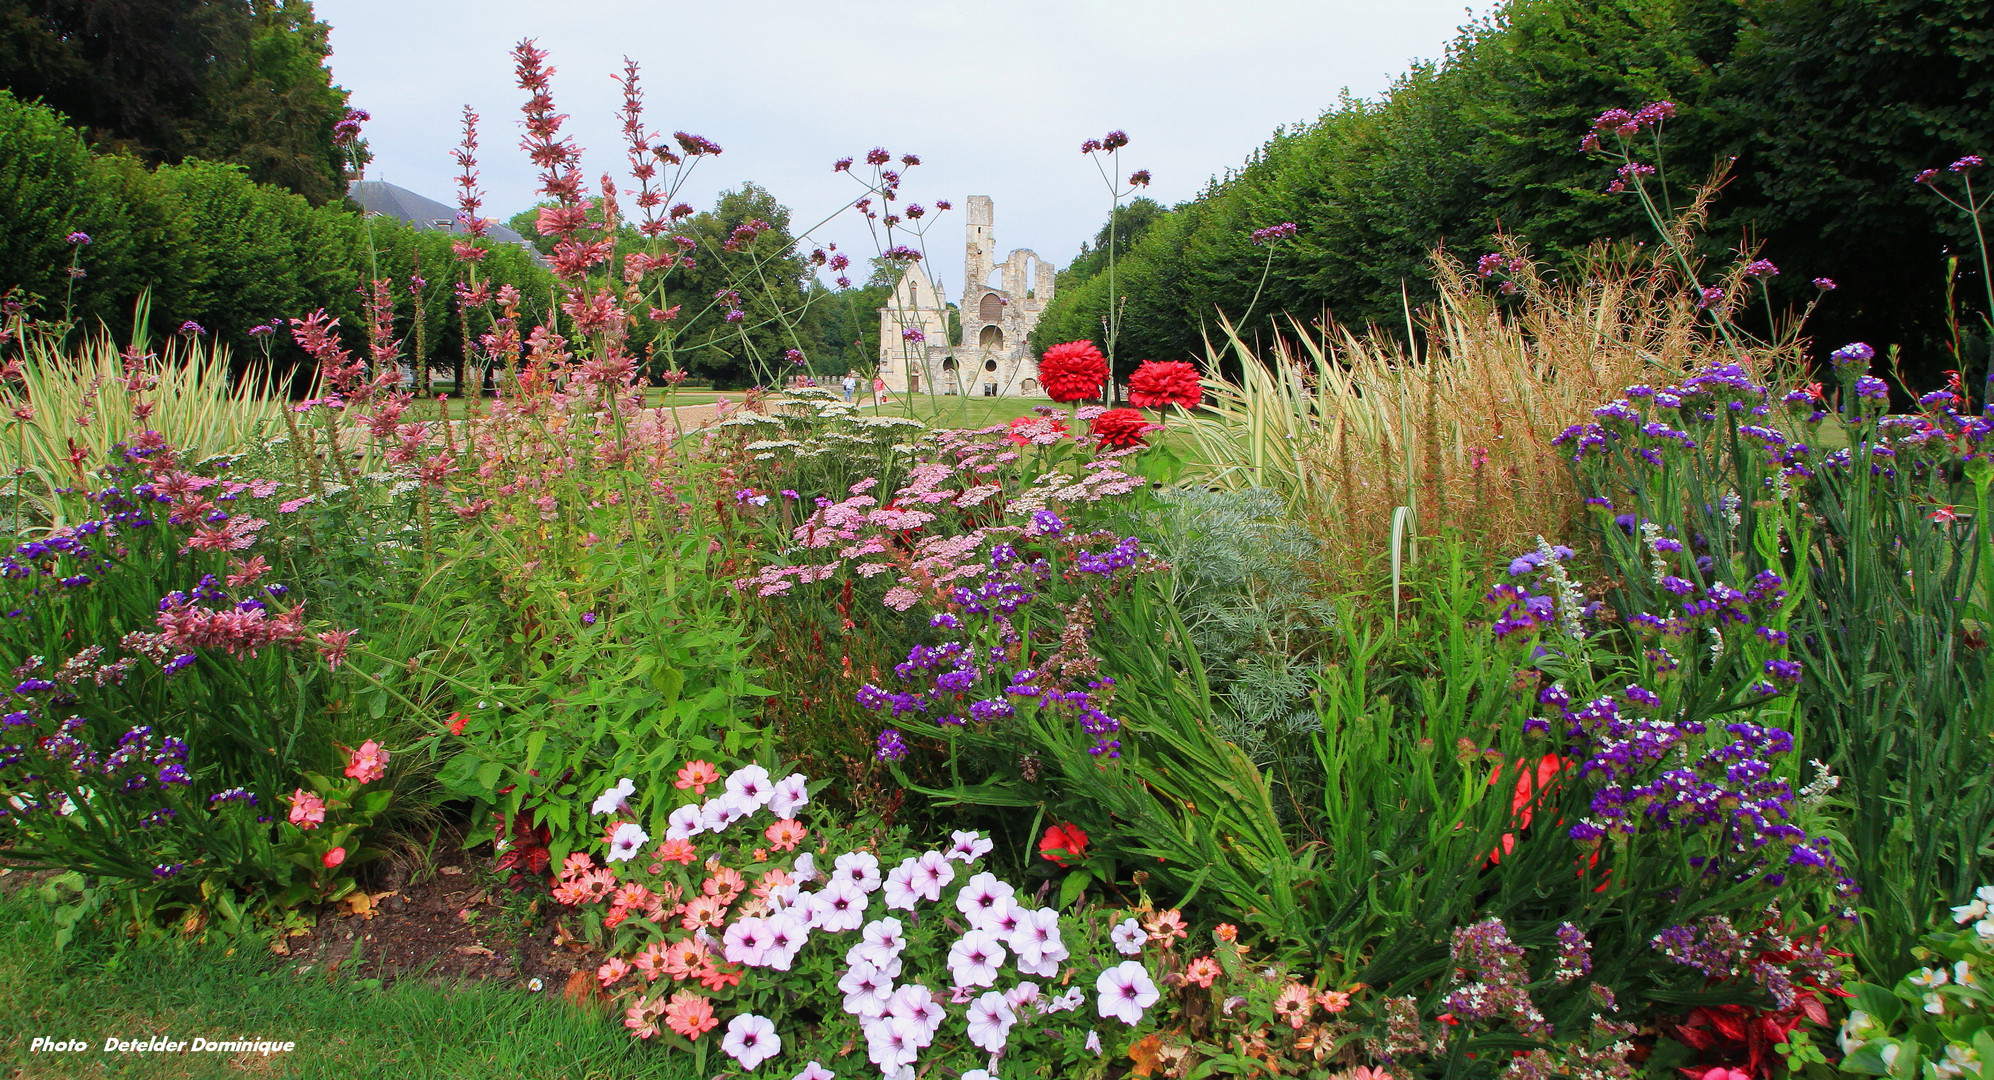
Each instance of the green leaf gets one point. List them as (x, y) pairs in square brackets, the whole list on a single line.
[(1075, 883)]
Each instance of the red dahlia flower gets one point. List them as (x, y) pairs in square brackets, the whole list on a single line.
[(1121, 427), (1169, 382), (1073, 371)]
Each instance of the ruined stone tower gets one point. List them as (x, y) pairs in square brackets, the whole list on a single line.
[(993, 357)]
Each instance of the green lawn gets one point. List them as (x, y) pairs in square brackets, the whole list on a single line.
[(343, 1028), (426, 408)]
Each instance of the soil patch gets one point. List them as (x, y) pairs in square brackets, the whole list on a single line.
[(446, 918)]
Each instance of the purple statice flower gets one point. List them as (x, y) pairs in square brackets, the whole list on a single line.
[(1855, 354), (1491, 979), (891, 747), (1872, 388), (588, 618), (1574, 954), (1046, 523), (164, 871), (174, 774)]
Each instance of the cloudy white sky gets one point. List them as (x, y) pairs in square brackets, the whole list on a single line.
[(995, 98)]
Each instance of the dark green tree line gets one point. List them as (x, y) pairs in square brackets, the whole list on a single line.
[(1824, 110), (237, 81)]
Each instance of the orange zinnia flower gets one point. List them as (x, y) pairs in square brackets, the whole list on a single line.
[(696, 775), (1202, 971), (786, 834), (705, 911), (725, 884), (678, 851), (689, 1015)]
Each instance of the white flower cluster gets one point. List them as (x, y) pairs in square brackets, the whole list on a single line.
[(748, 791), (898, 1020)]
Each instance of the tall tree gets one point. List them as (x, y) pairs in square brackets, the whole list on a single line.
[(237, 81)]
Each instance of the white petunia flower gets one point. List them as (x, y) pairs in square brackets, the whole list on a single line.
[(720, 812), (1094, 1042), (840, 908), (891, 1042), (613, 799), (980, 894), (746, 942), (628, 839), (750, 786), (1128, 936), (790, 794), (990, 1020), (975, 958), (1002, 918), (684, 823), (917, 1005), (816, 1071), (969, 846), (805, 871), (751, 1040), (861, 868), (932, 873), (787, 931), (1125, 992), (881, 940), (900, 891), (865, 990)]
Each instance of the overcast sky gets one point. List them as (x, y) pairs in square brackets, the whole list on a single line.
[(995, 98)]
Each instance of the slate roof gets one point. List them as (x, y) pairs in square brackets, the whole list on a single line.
[(381, 197)]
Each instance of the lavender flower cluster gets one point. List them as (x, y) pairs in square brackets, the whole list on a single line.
[(1769, 956), (1491, 979), (1731, 792), (961, 682)]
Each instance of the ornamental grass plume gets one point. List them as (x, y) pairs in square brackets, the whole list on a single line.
[(1349, 425), (1074, 371)]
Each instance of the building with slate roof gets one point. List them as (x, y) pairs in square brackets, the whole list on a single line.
[(381, 197)]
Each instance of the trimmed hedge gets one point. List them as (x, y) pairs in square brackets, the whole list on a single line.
[(209, 244)]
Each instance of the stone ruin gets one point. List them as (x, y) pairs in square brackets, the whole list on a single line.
[(993, 359)]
